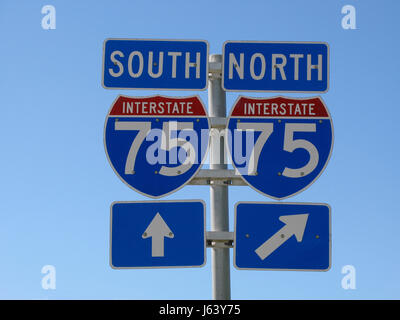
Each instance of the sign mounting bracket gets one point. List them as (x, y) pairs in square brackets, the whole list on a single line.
[(219, 239)]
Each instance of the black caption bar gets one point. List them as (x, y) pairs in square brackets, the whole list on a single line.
[(197, 309)]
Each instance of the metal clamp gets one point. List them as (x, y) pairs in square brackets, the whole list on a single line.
[(219, 239), (215, 70), (217, 177)]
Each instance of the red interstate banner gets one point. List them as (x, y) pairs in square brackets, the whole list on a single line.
[(280, 107), (158, 106)]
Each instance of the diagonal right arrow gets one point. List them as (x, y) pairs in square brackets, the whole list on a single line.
[(294, 225)]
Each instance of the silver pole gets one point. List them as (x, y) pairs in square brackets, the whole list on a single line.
[(220, 261)]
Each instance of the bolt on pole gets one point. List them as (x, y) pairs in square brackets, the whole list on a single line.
[(220, 257)]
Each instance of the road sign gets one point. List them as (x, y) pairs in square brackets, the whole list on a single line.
[(282, 236), (156, 144), (155, 64), (280, 145), (275, 66), (158, 234)]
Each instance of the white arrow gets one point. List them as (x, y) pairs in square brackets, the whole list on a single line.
[(294, 225), (157, 230)]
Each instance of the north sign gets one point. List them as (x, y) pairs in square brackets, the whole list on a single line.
[(275, 66)]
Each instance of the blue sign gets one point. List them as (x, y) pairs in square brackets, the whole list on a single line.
[(155, 64), (158, 234), (282, 236), (156, 144), (280, 145), (275, 66)]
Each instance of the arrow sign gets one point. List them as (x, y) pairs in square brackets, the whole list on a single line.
[(157, 230), (282, 236), (133, 222), (294, 225)]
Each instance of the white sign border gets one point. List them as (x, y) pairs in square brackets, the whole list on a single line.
[(284, 203), (166, 40), (274, 97), (152, 96), (276, 91), (159, 201)]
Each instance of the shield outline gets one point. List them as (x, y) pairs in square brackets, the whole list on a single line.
[(154, 96), (271, 98)]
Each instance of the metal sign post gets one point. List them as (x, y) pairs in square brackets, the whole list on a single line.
[(220, 262)]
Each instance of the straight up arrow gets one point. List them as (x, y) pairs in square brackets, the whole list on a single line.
[(294, 225), (157, 230)]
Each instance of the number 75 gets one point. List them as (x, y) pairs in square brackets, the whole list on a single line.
[(289, 144), (167, 143)]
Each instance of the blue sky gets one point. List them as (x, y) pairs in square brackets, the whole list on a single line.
[(57, 185)]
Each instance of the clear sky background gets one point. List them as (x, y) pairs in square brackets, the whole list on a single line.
[(56, 185)]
